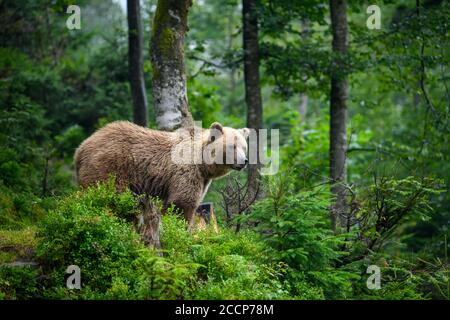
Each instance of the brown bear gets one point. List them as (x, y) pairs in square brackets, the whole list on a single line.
[(177, 167)]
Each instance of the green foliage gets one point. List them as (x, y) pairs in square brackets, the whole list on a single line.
[(84, 230), (389, 203), (305, 151), (17, 244), (295, 226), (204, 102), (57, 86), (292, 254), (69, 140), (20, 209), (18, 283), (229, 265), (90, 229)]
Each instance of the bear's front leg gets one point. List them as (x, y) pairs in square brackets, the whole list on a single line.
[(185, 194), (186, 207)]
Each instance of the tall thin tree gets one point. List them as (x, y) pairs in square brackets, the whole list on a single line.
[(338, 110), (169, 76), (135, 67), (303, 103), (252, 84)]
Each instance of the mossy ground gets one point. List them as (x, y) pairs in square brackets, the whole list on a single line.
[(17, 244)]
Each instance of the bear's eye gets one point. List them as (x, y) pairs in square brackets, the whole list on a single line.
[(213, 138)]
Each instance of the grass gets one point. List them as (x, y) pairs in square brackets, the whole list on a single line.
[(17, 244)]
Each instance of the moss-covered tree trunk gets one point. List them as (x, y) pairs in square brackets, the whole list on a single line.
[(167, 54), (135, 68), (252, 87), (338, 111)]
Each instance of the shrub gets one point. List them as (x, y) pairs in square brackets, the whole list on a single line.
[(18, 282), (229, 265), (293, 254), (89, 229), (295, 226), (19, 210), (389, 203)]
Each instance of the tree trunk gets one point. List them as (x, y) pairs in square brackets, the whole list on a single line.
[(232, 70), (169, 76), (303, 106), (136, 73), (252, 85), (338, 111), (303, 103)]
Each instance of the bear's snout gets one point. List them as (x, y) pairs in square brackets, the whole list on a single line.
[(241, 166)]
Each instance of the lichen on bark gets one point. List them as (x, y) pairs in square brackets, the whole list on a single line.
[(167, 53)]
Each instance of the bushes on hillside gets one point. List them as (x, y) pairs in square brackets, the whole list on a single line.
[(295, 226), (288, 253), (92, 229)]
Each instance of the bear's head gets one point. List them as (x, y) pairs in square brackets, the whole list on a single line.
[(225, 147)]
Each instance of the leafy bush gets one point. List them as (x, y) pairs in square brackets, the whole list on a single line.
[(230, 266), (83, 231), (18, 283), (389, 202), (290, 254), (89, 229), (296, 228), (69, 140), (20, 209)]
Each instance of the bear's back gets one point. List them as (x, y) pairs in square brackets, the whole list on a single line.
[(121, 148)]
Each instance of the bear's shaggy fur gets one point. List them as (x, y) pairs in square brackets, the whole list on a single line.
[(140, 158)]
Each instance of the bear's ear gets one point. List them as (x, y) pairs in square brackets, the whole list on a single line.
[(217, 126), (245, 132), (215, 132)]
